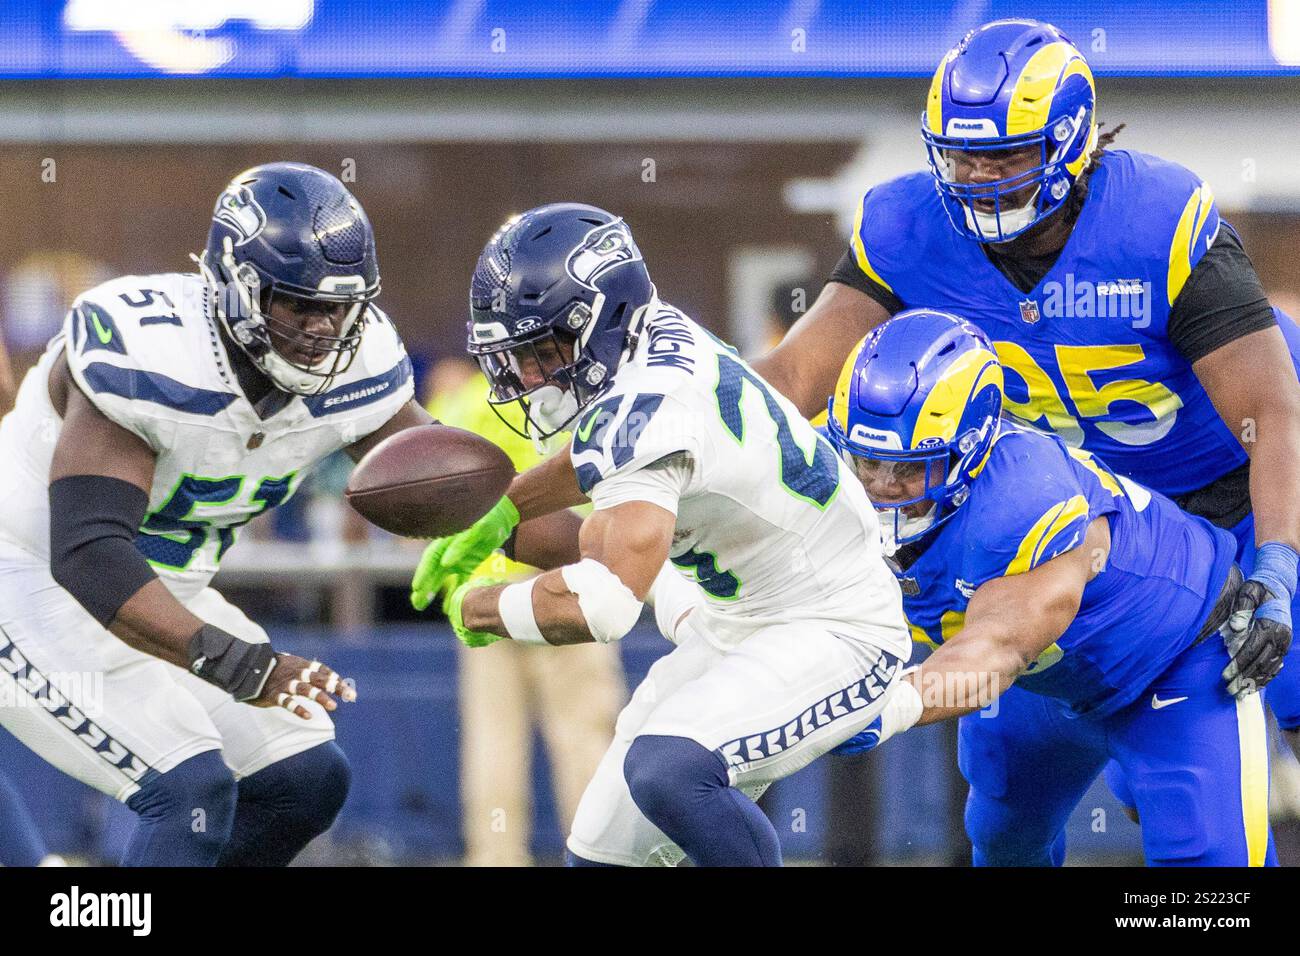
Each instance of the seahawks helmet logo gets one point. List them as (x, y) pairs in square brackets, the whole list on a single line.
[(602, 249), (238, 209)]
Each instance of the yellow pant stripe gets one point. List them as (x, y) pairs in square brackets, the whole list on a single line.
[(1253, 744)]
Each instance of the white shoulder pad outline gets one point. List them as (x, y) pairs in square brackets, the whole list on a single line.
[(131, 348)]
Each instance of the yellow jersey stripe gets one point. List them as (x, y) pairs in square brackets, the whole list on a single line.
[(1045, 529), (1195, 212), (860, 251)]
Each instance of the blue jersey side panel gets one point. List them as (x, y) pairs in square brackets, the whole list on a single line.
[(1032, 502)]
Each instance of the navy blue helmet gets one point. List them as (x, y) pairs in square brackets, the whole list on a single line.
[(294, 232), (558, 301)]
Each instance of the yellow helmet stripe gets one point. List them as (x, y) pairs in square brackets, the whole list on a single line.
[(1195, 212), (1031, 99), (942, 409), (860, 250), (1055, 520), (840, 406), (934, 102)]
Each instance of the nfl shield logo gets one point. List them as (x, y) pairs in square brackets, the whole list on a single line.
[(1029, 311)]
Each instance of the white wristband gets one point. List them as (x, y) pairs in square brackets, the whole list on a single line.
[(515, 605), (902, 709)]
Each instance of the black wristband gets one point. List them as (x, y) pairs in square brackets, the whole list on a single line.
[(508, 546), (236, 666)]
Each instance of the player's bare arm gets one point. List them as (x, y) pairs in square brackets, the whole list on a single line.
[(629, 542), (410, 415), (805, 364), (1009, 622), (99, 489), (1252, 383), (546, 488)]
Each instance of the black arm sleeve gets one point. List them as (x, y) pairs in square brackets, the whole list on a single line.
[(1223, 300), (847, 272), (93, 524)]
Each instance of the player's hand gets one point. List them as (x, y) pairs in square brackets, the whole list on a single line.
[(294, 678), (457, 555), (451, 606), (1257, 639), (1258, 632)]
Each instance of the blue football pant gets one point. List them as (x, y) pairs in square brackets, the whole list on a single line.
[(1197, 769), (1282, 693)]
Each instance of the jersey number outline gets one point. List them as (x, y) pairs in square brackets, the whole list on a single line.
[(715, 582), (1076, 364), (814, 480), (173, 533)]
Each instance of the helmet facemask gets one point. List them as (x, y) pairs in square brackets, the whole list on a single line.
[(905, 492), (1047, 182), (549, 374), (295, 360)]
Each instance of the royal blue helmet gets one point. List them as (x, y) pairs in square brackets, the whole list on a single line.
[(557, 302), (1009, 85), (291, 231), (915, 413)]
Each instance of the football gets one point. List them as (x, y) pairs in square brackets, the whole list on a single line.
[(429, 481)]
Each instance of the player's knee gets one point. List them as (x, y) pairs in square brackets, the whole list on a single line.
[(307, 790), (665, 773), (1175, 831), (1000, 837), (198, 794)]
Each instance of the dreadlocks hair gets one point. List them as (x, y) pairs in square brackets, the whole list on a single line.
[(1080, 191)]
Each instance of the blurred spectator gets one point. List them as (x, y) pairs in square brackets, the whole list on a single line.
[(790, 300), (571, 694)]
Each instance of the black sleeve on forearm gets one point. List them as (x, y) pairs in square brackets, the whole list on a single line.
[(1223, 300), (93, 523), (847, 272)]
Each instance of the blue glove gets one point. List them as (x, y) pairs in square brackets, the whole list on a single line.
[(1258, 632), (868, 738)]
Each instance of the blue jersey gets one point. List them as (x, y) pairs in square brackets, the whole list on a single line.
[(1033, 501), (1086, 351)]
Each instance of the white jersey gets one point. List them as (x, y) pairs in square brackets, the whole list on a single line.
[(771, 523), (146, 352)]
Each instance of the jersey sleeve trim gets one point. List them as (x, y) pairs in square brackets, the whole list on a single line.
[(1050, 529), (138, 385), (662, 484), (860, 249), (363, 392), (1195, 230), (626, 432)]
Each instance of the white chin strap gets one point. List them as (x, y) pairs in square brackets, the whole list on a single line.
[(895, 525), (991, 225), (552, 407)]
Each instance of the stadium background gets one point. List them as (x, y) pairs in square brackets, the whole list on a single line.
[(734, 137)]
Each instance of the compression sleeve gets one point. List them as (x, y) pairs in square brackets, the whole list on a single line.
[(848, 272), (93, 523), (1222, 301)]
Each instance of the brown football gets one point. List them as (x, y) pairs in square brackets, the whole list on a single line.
[(429, 481)]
